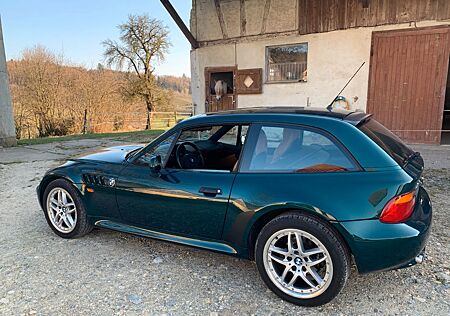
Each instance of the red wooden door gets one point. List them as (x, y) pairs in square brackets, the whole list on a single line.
[(408, 72)]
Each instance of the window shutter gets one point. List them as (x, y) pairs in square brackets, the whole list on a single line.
[(249, 81)]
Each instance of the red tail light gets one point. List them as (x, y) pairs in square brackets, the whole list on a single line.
[(399, 208)]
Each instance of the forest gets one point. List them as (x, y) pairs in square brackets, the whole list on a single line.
[(51, 97)]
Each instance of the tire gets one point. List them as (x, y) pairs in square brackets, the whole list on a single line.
[(323, 253), (55, 212)]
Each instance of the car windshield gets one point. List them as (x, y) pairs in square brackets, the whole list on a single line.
[(387, 140)]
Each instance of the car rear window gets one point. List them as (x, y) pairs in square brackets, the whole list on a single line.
[(387, 140)]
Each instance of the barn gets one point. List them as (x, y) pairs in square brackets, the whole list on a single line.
[(302, 52)]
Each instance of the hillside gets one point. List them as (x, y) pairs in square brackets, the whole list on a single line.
[(51, 98)]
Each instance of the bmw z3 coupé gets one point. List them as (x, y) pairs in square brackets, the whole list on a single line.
[(301, 191)]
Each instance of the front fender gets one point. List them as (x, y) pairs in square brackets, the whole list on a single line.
[(100, 202), (54, 175)]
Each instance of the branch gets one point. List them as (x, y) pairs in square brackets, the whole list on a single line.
[(112, 50)]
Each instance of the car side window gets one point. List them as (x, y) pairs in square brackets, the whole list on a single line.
[(297, 149), (198, 134), (161, 149), (208, 147), (230, 137)]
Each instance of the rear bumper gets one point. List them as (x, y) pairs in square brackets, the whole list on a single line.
[(419, 259), (377, 246)]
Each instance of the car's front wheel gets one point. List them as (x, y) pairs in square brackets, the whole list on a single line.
[(64, 210), (302, 259)]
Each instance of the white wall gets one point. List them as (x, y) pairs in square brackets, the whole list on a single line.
[(333, 57)]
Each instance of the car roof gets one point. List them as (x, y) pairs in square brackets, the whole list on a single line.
[(353, 117)]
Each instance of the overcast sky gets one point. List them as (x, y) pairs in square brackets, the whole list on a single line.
[(76, 28)]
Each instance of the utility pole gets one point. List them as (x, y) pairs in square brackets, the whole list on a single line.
[(7, 125)]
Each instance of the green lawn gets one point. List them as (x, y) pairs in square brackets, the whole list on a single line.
[(139, 136)]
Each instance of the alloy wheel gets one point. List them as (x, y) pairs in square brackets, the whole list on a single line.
[(61, 210), (298, 263)]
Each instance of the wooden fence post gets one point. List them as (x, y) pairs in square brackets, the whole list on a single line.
[(85, 121)]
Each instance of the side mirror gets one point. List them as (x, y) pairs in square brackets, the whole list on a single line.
[(155, 164)]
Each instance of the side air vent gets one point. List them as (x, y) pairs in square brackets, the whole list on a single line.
[(95, 179)]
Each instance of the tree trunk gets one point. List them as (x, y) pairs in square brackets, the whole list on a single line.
[(149, 104)]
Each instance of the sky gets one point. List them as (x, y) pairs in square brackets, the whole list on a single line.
[(76, 28)]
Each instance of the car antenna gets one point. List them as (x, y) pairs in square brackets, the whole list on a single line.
[(330, 106)]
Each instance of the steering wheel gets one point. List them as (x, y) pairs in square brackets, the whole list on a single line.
[(189, 156)]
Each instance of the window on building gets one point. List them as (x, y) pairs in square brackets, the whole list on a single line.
[(287, 63)]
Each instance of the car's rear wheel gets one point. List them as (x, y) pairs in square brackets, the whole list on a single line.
[(302, 259), (64, 210)]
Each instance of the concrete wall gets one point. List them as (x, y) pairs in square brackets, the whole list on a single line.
[(277, 16), (7, 127), (332, 59)]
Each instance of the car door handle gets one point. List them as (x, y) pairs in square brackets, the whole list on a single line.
[(210, 191)]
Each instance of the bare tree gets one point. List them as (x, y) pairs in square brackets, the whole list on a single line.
[(143, 42), (39, 85), (50, 97)]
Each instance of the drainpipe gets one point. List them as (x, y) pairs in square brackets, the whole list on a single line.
[(7, 126)]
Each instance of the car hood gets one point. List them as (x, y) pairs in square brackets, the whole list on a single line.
[(115, 154)]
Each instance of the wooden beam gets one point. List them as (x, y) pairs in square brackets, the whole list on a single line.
[(243, 18), (174, 14), (266, 14), (221, 20)]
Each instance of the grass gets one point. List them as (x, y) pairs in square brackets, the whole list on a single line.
[(137, 136)]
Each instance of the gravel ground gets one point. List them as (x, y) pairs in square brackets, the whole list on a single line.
[(107, 273)]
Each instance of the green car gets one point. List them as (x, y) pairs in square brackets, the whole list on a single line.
[(301, 191)]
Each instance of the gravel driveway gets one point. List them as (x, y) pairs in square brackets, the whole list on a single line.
[(108, 273)]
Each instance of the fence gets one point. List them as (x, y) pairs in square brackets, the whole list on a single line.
[(287, 71), (130, 121)]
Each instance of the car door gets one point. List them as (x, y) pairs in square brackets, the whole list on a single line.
[(186, 202)]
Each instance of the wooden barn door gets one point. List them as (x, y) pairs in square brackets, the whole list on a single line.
[(228, 101), (408, 71)]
